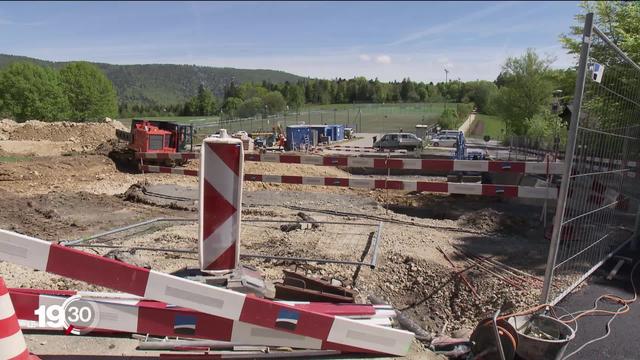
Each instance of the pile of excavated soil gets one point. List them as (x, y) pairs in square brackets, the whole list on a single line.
[(491, 220), (46, 139)]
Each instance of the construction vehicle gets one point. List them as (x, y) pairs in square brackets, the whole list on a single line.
[(148, 136), (463, 153)]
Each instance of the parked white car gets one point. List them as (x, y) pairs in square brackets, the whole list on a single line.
[(444, 141), (395, 141)]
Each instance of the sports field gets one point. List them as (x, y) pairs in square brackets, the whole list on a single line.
[(361, 117)]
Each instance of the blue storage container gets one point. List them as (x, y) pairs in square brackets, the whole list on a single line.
[(298, 136), (318, 132)]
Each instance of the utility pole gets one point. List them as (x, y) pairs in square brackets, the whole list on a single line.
[(446, 80)]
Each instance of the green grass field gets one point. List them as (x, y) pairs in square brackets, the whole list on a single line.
[(363, 117), (489, 125)]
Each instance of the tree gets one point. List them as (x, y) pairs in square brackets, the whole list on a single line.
[(525, 92), (206, 104), (250, 107), (295, 97), (231, 106), (618, 20), (29, 91), (274, 102), (481, 93), (90, 93)]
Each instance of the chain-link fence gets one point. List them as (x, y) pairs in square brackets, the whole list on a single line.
[(367, 118), (598, 200)]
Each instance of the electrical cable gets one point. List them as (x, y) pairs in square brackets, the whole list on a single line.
[(624, 308)]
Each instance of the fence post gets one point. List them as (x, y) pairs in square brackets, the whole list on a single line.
[(568, 160)]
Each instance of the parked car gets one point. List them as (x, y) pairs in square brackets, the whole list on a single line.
[(444, 141), (406, 141)]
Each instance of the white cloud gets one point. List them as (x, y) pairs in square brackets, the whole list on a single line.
[(365, 57), (383, 59)]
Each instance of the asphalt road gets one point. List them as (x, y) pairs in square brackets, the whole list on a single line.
[(622, 343)]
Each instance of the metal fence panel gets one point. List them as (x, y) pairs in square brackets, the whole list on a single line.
[(598, 199)]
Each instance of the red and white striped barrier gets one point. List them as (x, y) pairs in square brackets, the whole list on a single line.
[(524, 167), (12, 344), (168, 170), (221, 169), (336, 333), (511, 191), (167, 156), (399, 151), (410, 185)]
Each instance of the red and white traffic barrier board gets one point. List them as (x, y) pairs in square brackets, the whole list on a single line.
[(12, 344), (528, 167), (409, 185), (511, 191), (160, 319), (336, 333), (221, 169), (168, 170), (167, 156)]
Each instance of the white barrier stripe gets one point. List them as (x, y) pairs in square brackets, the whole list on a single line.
[(12, 346), (360, 162), (33, 254), (273, 179), (243, 332), (413, 164), (471, 165), (201, 297), (410, 186), (362, 183), (462, 188), (347, 331), (311, 160), (313, 180), (537, 192)]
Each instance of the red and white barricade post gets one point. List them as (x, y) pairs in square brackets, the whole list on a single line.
[(221, 174), (12, 344)]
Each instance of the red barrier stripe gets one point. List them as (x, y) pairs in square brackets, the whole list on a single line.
[(389, 184), (330, 181), (97, 270), (388, 163), (288, 179), (439, 165), (290, 159)]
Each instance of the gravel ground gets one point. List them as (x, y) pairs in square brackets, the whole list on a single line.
[(66, 197)]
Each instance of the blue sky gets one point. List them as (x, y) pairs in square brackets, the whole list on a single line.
[(388, 40)]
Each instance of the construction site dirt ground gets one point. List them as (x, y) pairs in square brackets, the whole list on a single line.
[(73, 195)]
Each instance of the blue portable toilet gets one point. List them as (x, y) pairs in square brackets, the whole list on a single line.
[(336, 132), (297, 136)]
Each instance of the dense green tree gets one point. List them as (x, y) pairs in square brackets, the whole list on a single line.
[(231, 106), (295, 97), (29, 91), (526, 90), (90, 93), (251, 107), (206, 103), (274, 102), (481, 93)]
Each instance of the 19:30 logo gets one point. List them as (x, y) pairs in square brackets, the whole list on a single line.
[(75, 316)]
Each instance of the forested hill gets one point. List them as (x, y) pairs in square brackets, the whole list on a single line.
[(165, 83)]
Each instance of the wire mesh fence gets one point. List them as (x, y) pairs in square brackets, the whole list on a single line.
[(368, 118), (599, 195)]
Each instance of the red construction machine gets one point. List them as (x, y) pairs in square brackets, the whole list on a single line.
[(157, 137)]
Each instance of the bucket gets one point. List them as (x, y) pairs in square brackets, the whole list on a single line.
[(531, 347)]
